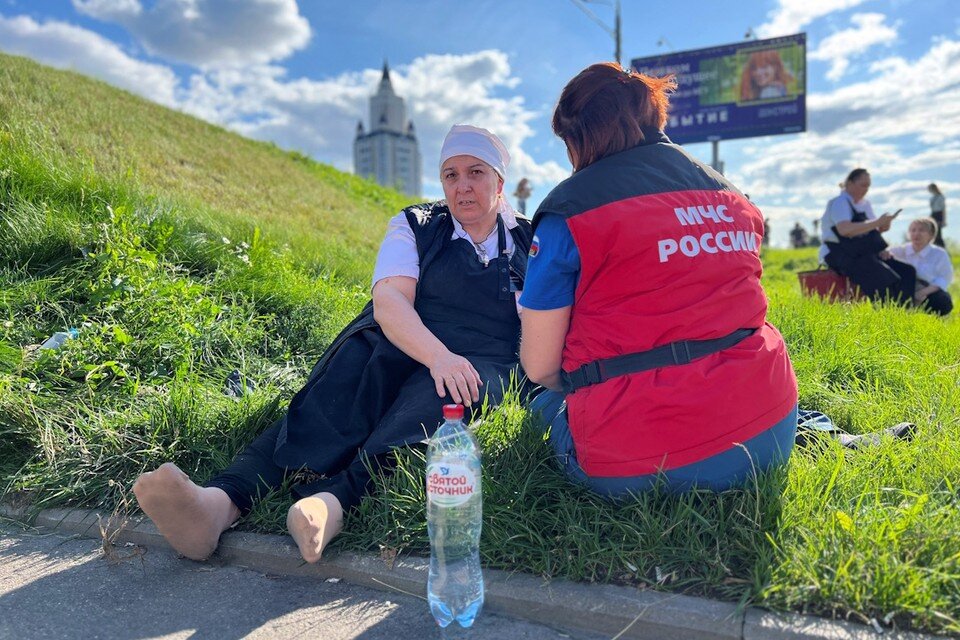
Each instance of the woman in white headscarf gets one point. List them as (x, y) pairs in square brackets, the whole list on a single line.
[(442, 327)]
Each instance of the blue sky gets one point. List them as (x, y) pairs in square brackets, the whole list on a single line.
[(883, 78)]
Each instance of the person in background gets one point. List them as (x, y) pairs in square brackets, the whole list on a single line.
[(798, 236), (643, 313), (852, 244), (934, 269), (442, 327), (522, 193), (938, 211)]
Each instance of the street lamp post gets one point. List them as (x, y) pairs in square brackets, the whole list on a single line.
[(615, 31)]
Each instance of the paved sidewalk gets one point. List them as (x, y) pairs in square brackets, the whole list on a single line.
[(55, 586), (581, 609)]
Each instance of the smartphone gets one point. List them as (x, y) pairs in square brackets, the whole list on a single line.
[(896, 213)]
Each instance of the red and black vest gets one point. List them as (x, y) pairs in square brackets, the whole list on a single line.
[(669, 251)]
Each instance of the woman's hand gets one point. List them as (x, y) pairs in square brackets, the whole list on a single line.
[(922, 294), (884, 222), (455, 374)]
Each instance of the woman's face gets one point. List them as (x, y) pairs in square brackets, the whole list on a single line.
[(920, 235), (859, 187), (471, 188), (764, 75)]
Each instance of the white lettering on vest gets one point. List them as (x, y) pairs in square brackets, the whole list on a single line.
[(689, 246), (721, 241), (692, 246), (667, 248), (723, 246), (695, 215), (703, 243), (688, 216)]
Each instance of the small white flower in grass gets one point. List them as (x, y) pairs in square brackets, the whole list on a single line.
[(333, 580), (225, 239)]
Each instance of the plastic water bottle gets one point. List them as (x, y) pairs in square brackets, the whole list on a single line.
[(454, 519), (56, 340)]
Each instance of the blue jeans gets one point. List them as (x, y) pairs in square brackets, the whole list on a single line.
[(720, 471)]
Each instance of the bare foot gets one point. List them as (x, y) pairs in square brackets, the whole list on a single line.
[(313, 522), (190, 517)]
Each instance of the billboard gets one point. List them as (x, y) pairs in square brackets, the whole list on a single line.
[(741, 90)]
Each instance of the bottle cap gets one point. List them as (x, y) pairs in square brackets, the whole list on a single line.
[(453, 412)]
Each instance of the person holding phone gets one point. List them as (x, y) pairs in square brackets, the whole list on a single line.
[(853, 245)]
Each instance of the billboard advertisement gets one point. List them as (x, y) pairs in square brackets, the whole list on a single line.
[(741, 90)]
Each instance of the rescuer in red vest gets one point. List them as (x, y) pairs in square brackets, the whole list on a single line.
[(643, 313)]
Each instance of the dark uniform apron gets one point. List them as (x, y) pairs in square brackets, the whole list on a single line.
[(366, 397)]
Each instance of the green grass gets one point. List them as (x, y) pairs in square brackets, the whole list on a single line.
[(176, 277)]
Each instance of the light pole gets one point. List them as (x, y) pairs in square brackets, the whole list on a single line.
[(615, 31)]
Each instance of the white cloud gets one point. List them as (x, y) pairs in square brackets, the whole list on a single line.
[(791, 16), (919, 98), (209, 33), (839, 47), (319, 118), (110, 10), (443, 90), (68, 47), (315, 117)]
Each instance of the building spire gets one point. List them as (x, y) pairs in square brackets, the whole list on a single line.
[(386, 71)]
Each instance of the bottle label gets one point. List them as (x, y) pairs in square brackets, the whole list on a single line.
[(449, 485)]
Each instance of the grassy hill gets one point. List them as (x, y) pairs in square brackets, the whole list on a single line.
[(182, 252), (229, 183)]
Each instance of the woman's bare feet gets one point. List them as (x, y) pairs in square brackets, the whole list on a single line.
[(313, 522), (190, 517)]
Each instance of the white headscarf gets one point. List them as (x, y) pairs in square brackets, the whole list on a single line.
[(466, 140)]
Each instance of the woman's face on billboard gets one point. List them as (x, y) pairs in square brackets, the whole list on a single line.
[(764, 75)]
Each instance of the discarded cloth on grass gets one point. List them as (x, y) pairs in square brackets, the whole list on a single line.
[(810, 423)]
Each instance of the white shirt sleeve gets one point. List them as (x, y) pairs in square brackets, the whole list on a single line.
[(838, 210), (943, 270), (398, 252), (938, 203), (899, 252)]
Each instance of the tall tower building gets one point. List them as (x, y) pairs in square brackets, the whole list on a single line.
[(388, 153)]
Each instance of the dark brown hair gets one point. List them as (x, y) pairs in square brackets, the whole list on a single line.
[(603, 108), (855, 175)]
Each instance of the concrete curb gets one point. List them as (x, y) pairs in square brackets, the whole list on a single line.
[(607, 609)]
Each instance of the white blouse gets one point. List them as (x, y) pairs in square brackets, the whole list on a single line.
[(932, 263)]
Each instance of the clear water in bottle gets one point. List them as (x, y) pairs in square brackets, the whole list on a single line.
[(454, 520)]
